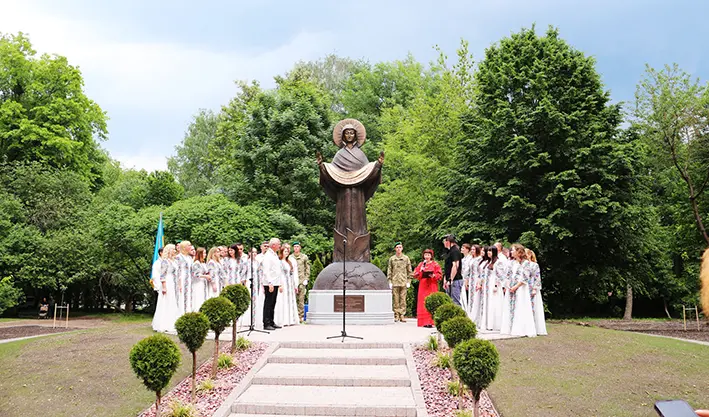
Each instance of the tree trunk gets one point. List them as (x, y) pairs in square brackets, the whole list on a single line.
[(233, 338), (698, 219), (216, 355), (664, 301), (157, 405), (628, 303), (129, 305), (476, 407), (194, 376)]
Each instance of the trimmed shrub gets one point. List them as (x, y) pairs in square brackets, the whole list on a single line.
[(220, 312), (458, 329), (436, 300), (445, 313), (192, 329), (476, 362), (240, 296), (155, 360)]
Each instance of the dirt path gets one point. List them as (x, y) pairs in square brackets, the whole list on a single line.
[(672, 328)]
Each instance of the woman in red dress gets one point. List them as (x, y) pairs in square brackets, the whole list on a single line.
[(428, 273)]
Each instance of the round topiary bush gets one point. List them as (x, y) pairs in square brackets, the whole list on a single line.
[(192, 330), (457, 330), (220, 312), (447, 312), (476, 362), (239, 295), (435, 300), (155, 360)]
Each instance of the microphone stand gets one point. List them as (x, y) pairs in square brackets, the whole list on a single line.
[(343, 334), (253, 302)]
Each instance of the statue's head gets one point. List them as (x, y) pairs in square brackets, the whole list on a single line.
[(349, 132), (349, 135)]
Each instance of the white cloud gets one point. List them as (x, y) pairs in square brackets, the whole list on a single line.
[(142, 160), (168, 82)]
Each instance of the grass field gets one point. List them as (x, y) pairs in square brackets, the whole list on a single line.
[(588, 371), (83, 373)]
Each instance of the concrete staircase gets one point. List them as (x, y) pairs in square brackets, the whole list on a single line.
[(334, 379)]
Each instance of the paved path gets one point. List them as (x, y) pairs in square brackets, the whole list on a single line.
[(326, 379)]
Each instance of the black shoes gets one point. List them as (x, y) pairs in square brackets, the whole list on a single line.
[(428, 326), (277, 327), (269, 328)]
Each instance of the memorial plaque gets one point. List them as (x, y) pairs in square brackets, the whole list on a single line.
[(355, 303)]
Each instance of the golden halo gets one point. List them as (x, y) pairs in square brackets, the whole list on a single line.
[(349, 124)]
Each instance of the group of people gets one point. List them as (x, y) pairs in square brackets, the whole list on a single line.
[(499, 288), (185, 277)]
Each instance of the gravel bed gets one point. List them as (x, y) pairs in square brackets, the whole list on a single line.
[(226, 380), (434, 383)]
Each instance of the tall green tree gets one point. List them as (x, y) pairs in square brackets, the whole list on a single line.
[(672, 111), (192, 164), (545, 163), (420, 152), (44, 114)]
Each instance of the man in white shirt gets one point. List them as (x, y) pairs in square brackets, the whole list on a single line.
[(271, 282)]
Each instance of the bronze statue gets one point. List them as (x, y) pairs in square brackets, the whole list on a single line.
[(350, 180)]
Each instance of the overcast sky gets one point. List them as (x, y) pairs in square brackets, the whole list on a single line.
[(152, 64)]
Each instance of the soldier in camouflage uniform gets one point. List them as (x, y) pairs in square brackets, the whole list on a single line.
[(399, 276), (303, 276)]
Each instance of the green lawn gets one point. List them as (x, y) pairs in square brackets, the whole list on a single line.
[(84, 373), (588, 371)]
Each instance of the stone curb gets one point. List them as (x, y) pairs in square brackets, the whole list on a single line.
[(415, 382), (226, 408)]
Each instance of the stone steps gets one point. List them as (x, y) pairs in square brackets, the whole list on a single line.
[(327, 379)]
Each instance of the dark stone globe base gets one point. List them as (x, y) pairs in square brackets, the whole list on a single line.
[(360, 276)]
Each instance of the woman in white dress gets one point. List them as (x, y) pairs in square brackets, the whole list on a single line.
[(286, 312), (496, 275), (257, 296), (518, 320), (475, 291), (167, 309), (214, 269), (231, 265), (466, 273), (536, 293), (200, 279)]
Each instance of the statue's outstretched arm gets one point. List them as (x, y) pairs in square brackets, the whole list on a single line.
[(381, 157), (318, 157)]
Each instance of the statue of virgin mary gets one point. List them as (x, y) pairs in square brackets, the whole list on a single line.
[(350, 180)]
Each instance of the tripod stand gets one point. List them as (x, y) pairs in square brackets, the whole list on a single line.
[(253, 304), (343, 334)]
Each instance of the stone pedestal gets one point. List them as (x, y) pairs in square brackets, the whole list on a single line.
[(368, 295)]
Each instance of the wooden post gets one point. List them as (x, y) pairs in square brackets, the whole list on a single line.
[(54, 324), (684, 317), (66, 326), (696, 314)]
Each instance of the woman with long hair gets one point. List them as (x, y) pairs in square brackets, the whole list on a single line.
[(214, 268), (241, 260), (253, 271), (167, 309), (475, 288), (535, 288), (518, 319), (200, 279), (231, 265), (496, 274), (428, 273), (286, 312), (465, 269)]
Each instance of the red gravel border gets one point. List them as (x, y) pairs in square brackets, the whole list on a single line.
[(226, 380), (434, 384)]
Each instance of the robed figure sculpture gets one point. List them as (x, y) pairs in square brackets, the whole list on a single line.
[(350, 179)]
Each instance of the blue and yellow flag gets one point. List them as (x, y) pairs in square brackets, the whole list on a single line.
[(159, 243)]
